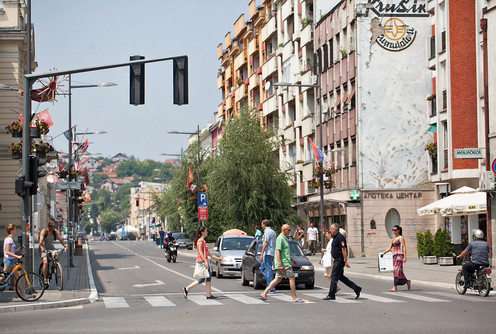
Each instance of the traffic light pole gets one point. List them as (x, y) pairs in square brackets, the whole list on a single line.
[(69, 191), (180, 97)]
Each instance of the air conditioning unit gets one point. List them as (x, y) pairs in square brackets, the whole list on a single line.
[(486, 181)]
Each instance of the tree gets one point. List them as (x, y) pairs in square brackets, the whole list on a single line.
[(245, 184), (110, 220)]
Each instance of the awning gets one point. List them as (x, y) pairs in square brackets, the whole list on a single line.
[(463, 201)]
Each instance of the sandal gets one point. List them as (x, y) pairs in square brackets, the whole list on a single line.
[(393, 290), (265, 300), (408, 283), (298, 301)]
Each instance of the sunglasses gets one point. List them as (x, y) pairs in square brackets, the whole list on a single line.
[(395, 229)]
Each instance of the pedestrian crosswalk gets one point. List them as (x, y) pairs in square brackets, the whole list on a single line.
[(227, 298)]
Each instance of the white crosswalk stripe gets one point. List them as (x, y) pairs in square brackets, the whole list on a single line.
[(158, 301), (339, 298), (417, 297), (380, 298), (202, 300), (287, 298), (246, 299), (115, 302)]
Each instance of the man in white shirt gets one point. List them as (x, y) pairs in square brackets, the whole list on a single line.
[(312, 238)]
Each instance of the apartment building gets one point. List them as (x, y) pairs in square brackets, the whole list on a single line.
[(13, 66), (143, 215)]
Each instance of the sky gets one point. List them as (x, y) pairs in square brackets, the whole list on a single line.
[(75, 34)]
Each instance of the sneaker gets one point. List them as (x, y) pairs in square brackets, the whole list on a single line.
[(185, 293), (211, 297), (329, 298), (357, 291)]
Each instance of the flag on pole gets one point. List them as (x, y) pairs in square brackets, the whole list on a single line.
[(319, 155), (45, 117), (84, 146), (190, 178)]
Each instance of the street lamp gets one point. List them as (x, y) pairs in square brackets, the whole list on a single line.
[(69, 204), (197, 133), (5, 87)]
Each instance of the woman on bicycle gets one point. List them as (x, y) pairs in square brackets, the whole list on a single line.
[(47, 238), (9, 255)]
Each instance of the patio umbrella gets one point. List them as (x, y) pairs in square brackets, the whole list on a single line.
[(234, 232)]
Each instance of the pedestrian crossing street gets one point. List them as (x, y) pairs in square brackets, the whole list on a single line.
[(226, 299)]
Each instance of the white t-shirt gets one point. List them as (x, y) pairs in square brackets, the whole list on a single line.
[(312, 233), (327, 259), (7, 241)]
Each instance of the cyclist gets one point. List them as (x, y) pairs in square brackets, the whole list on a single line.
[(47, 239), (9, 253), (480, 255)]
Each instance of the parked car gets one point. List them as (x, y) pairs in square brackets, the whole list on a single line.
[(250, 266), (231, 250), (183, 240)]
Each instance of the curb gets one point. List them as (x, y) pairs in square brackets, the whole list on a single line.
[(63, 303)]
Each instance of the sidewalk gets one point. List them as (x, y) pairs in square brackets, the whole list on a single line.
[(79, 287), (416, 271)]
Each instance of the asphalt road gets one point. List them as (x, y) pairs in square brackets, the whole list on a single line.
[(141, 293)]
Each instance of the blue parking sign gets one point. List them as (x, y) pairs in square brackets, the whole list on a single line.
[(202, 200)]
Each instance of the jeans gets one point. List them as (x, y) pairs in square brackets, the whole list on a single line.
[(469, 269), (338, 274), (266, 269)]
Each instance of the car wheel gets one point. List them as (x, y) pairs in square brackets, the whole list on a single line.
[(309, 285), (244, 281), (219, 275), (256, 280)]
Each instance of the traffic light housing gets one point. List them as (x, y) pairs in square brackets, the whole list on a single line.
[(180, 80), (137, 82), (137, 201), (35, 172)]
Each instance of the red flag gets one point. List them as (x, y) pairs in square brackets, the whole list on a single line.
[(87, 197), (46, 93), (45, 117), (190, 178)]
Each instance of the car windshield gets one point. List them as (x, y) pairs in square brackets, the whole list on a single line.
[(180, 236), (236, 243)]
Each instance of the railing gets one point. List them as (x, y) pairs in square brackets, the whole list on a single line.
[(434, 164), (433, 107), (443, 41), (445, 158), (445, 99), (433, 47)]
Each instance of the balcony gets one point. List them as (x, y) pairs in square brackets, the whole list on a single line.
[(254, 82), (269, 67), (239, 61), (220, 51), (307, 126), (306, 35), (253, 46), (268, 29), (220, 81), (433, 108), (432, 48), (239, 26), (270, 105), (228, 73), (287, 9), (240, 93), (287, 51), (229, 103), (220, 110)]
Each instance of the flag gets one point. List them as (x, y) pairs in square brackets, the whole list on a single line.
[(319, 155), (87, 197), (45, 117), (46, 93), (190, 178), (84, 146)]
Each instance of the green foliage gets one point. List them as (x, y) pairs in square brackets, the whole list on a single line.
[(442, 244), (420, 244), (428, 243), (147, 170), (110, 220), (245, 182), (97, 179)]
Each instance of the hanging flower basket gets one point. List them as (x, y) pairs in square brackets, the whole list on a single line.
[(317, 171), (431, 147), (42, 127), (314, 183), (34, 132), (15, 129), (328, 184), (63, 173), (330, 171), (42, 147), (16, 150)]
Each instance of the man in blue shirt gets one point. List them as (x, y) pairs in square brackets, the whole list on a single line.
[(267, 255), (480, 255)]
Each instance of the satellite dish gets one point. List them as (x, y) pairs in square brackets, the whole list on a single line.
[(267, 86)]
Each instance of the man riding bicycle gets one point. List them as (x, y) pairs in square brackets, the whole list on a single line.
[(47, 239), (480, 255), (167, 240)]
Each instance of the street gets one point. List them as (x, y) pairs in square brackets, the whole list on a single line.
[(140, 292)]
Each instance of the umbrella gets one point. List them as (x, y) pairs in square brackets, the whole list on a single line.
[(234, 232)]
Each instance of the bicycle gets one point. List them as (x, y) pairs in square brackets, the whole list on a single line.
[(29, 286), (54, 268)]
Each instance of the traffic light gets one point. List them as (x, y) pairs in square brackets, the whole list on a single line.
[(180, 80), (35, 172), (137, 82), (137, 201)]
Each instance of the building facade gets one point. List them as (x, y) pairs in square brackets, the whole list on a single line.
[(13, 66)]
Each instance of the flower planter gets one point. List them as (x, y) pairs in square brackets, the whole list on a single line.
[(34, 132), (16, 155), (41, 155), (445, 261), (16, 134), (430, 259)]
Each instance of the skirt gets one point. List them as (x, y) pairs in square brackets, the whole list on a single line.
[(399, 275)]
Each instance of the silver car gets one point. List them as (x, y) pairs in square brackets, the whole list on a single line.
[(231, 249)]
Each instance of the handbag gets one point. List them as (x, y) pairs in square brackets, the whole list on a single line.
[(201, 271)]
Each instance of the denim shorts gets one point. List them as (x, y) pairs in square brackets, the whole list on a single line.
[(8, 262)]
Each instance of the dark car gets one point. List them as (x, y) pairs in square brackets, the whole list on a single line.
[(250, 266), (183, 240), (231, 249)]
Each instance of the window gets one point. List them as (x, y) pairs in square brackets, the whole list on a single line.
[(331, 52), (392, 218), (326, 57)]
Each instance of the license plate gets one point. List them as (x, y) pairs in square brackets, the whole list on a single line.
[(296, 274)]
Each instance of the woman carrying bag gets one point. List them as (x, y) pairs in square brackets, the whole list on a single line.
[(202, 271)]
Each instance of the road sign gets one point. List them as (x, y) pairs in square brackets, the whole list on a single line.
[(468, 153), (493, 165), (202, 200), (202, 213)]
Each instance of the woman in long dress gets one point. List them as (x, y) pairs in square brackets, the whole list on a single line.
[(399, 257)]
